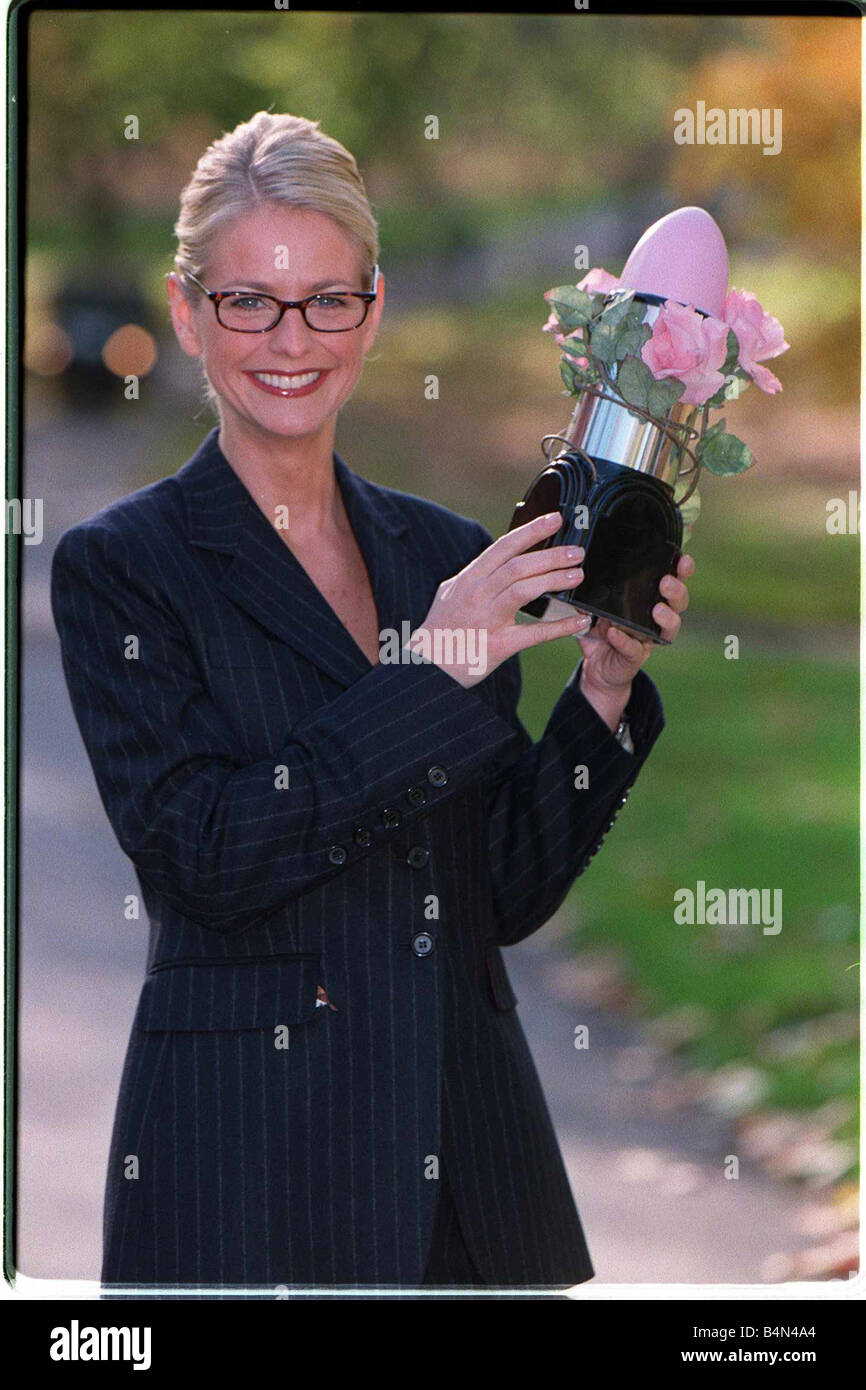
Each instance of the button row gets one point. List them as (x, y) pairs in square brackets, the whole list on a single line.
[(594, 851), (391, 819)]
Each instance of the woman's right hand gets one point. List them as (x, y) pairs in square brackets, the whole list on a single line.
[(485, 596)]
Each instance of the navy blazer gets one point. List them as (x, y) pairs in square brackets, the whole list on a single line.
[(302, 821)]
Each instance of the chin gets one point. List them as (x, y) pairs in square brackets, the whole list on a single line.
[(276, 420)]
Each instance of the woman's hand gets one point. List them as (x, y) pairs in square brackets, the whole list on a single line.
[(612, 656), (485, 596)]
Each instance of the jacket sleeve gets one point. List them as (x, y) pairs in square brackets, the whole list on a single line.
[(547, 819), (226, 844)]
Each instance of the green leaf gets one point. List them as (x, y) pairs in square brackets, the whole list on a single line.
[(662, 395), (613, 314), (714, 429), (567, 372), (603, 342), (724, 454), (571, 296), (639, 386), (573, 307), (631, 339), (575, 347), (733, 354), (633, 380)]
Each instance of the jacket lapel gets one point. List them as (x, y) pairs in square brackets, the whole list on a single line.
[(265, 579)]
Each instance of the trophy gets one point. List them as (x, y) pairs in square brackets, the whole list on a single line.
[(648, 356)]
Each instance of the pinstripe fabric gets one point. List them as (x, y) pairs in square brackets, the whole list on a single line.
[(260, 1139), (448, 1258)]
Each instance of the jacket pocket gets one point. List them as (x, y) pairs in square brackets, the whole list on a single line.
[(233, 993), (497, 976)]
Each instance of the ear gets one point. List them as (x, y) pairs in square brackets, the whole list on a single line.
[(183, 317)]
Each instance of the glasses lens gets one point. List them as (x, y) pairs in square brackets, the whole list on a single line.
[(247, 313), (335, 312)]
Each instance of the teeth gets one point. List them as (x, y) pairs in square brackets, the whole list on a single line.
[(287, 383)]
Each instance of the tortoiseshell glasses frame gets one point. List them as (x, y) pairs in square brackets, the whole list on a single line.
[(217, 298)]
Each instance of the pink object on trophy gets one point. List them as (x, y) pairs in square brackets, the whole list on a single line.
[(683, 257)]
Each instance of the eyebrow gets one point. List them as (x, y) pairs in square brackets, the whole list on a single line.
[(257, 285)]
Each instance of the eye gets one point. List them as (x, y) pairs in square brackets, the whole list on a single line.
[(331, 301), (246, 301)]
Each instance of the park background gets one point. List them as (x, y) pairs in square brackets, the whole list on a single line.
[(553, 132)]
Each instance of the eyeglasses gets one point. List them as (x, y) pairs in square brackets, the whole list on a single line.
[(246, 311)]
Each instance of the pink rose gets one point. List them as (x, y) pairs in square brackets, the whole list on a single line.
[(759, 336), (689, 347), (598, 281)]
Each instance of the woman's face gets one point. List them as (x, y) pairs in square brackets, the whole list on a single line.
[(316, 372)]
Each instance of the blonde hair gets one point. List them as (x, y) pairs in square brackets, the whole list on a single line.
[(271, 159)]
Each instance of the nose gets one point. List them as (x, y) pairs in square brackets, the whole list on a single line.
[(292, 334)]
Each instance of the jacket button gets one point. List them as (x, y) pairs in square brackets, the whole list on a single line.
[(422, 944), (363, 836), (417, 856), (416, 796), (437, 776), (623, 799), (391, 818), (337, 854)]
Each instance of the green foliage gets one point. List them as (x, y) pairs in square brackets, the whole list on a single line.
[(632, 338), (639, 387), (574, 347), (634, 379), (620, 308), (573, 307), (603, 343), (755, 815), (723, 453), (733, 354)]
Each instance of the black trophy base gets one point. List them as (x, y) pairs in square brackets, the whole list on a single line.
[(630, 528)]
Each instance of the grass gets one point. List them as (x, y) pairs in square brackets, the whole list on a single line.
[(752, 783)]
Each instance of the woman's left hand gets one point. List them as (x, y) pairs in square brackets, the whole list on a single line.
[(612, 656)]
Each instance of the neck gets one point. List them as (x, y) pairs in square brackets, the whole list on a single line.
[(287, 473)]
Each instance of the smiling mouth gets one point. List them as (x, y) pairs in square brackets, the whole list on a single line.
[(282, 381)]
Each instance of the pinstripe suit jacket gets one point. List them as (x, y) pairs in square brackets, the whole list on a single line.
[(297, 817)]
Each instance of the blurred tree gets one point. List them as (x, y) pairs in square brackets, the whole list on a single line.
[(810, 70), (559, 106)]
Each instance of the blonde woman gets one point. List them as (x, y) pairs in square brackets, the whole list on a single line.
[(335, 831)]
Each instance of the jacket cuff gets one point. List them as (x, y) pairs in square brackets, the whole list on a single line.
[(644, 712)]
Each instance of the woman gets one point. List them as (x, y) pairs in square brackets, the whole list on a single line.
[(334, 829)]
